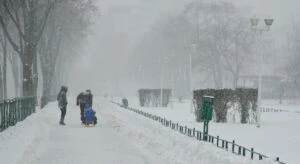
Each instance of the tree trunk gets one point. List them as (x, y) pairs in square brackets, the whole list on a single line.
[(28, 88), (47, 86), (27, 80), (35, 77), (17, 77), (235, 80), (16, 69), (4, 78), (1, 83)]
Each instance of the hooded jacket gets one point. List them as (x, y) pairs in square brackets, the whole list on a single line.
[(62, 98)]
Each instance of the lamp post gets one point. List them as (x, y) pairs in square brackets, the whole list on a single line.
[(161, 80), (194, 47), (254, 25)]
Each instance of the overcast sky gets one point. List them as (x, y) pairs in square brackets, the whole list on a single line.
[(123, 22)]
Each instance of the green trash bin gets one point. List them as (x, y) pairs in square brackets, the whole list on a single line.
[(207, 107)]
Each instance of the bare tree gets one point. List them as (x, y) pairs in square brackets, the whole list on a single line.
[(3, 71), (29, 19), (292, 55), (62, 42), (223, 39)]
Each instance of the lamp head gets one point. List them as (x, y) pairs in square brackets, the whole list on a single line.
[(269, 22)]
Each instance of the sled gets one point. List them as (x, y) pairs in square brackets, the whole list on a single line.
[(87, 124)]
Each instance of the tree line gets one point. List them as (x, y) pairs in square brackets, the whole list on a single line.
[(40, 39), (222, 45)]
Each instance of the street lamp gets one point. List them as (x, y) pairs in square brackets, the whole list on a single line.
[(254, 24)]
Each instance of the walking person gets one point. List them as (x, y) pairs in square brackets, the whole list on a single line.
[(62, 103), (82, 99)]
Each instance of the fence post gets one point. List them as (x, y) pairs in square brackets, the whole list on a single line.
[(252, 150), (217, 141), (233, 146), (200, 134), (260, 157), (244, 151), (277, 159), (194, 132), (240, 150)]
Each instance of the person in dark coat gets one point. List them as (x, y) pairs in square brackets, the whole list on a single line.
[(124, 102), (62, 103), (82, 99)]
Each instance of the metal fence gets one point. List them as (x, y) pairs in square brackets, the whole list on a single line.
[(199, 135), (277, 110), (15, 110)]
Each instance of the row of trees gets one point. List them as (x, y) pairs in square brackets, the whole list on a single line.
[(41, 36), (217, 35), (291, 51), (154, 97)]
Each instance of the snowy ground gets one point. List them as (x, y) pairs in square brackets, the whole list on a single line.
[(279, 135), (120, 137)]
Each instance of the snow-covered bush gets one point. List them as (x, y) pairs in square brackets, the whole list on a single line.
[(237, 105)]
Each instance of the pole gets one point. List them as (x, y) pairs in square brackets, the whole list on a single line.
[(161, 83), (254, 23), (205, 129), (259, 97), (191, 88), (258, 114)]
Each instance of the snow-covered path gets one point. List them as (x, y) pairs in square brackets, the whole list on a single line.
[(76, 144), (120, 137)]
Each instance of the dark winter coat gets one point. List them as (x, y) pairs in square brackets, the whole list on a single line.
[(84, 98), (62, 98)]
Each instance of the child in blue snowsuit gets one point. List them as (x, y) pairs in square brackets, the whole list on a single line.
[(89, 114)]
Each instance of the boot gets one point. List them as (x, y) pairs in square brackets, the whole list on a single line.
[(61, 122)]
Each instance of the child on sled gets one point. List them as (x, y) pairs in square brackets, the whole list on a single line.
[(89, 115)]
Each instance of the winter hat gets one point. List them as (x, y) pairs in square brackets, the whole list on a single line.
[(88, 91), (64, 88)]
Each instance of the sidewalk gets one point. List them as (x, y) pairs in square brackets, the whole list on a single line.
[(41, 140)]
